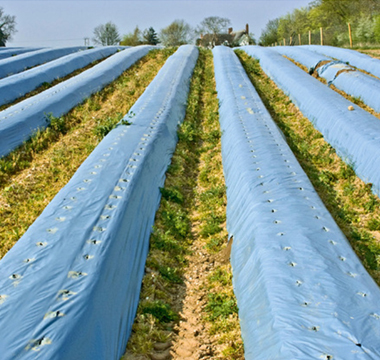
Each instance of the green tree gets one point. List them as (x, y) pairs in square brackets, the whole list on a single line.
[(269, 34), (177, 33), (150, 36), (132, 39), (376, 29), (7, 27), (106, 34)]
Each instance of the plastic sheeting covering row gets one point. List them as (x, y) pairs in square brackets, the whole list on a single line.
[(352, 82), (355, 135), (70, 286), (22, 62), (352, 57), (302, 292), (20, 121), (8, 52), (305, 57), (337, 73), (15, 86)]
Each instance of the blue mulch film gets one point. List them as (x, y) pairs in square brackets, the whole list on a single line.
[(70, 286), (302, 292)]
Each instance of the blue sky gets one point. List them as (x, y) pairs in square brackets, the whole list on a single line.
[(67, 23)]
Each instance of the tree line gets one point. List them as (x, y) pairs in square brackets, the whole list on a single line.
[(333, 16), (179, 32)]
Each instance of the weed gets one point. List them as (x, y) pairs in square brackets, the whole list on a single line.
[(346, 171), (161, 311), (103, 127), (172, 194), (220, 276), (170, 274), (212, 224), (374, 224), (220, 305)]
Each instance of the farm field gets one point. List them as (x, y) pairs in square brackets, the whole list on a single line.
[(188, 307)]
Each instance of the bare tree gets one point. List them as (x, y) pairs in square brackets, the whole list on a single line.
[(106, 34), (7, 27), (177, 33), (213, 25)]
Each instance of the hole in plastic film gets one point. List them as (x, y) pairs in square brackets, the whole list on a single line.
[(281, 234), (286, 248), (99, 229), (76, 274), (94, 242), (298, 282), (342, 258), (87, 181), (110, 207), (67, 207), (88, 257), (60, 218), (15, 276), (52, 230), (104, 217), (53, 314), (362, 294), (293, 264), (332, 242), (352, 274), (115, 197), (81, 188), (314, 328), (41, 243)]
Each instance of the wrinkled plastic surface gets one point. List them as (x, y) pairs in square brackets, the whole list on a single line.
[(20, 121), (353, 57), (302, 292), (15, 86), (354, 83), (70, 286), (337, 73), (307, 58), (22, 62), (8, 52), (355, 135)]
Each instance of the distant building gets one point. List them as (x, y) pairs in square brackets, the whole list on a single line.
[(232, 38)]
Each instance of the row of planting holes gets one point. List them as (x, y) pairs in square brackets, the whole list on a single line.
[(287, 248), (66, 294)]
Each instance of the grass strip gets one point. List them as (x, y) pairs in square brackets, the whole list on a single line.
[(33, 174), (188, 240), (350, 201)]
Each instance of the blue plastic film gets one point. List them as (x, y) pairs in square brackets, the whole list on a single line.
[(19, 63), (15, 86), (19, 122), (353, 132), (70, 286), (302, 292)]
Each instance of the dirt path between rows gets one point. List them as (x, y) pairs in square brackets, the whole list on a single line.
[(187, 308)]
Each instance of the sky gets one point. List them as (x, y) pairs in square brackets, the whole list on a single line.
[(66, 22)]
